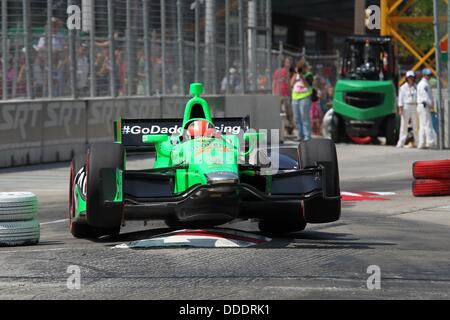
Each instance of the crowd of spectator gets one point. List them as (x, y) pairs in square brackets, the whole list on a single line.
[(53, 70), (61, 80)]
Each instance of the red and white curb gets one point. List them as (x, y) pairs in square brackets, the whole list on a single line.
[(365, 196), (199, 238)]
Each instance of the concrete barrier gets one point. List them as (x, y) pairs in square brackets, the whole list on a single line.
[(41, 131), (20, 133), (63, 129)]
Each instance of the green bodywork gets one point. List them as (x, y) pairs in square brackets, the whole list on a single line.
[(386, 88), (80, 202), (191, 159)]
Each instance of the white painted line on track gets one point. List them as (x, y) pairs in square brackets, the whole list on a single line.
[(54, 222), (382, 193), (41, 250)]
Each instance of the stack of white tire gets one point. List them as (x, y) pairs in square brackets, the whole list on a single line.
[(18, 223)]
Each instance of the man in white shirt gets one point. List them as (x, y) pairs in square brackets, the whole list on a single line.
[(427, 135), (407, 105)]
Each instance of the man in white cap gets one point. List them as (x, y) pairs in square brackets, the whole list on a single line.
[(407, 105), (427, 135)]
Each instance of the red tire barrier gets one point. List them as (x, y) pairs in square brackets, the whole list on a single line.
[(438, 169), (361, 140), (430, 187)]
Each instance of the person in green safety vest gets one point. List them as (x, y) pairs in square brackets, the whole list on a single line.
[(301, 100)]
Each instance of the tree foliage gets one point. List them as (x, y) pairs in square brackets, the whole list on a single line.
[(422, 34)]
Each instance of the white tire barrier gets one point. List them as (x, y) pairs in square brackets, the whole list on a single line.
[(18, 213), (18, 224), (19, 233)]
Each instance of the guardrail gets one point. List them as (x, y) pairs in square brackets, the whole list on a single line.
[(44, 131)]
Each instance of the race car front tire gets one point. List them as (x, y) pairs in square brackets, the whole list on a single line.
[(318, 209), (282, 227), (99, 156), (292, 219)]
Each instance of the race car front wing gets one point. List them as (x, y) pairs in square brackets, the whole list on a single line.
[(148, 194)]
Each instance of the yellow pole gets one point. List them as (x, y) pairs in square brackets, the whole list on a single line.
[(384, 18)]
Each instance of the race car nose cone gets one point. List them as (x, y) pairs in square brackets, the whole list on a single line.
[(222, 178)]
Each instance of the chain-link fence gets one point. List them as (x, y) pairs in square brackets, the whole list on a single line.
[(137, 47), (325, 68)]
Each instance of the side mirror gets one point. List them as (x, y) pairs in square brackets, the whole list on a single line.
[(155, 138), (162, 143)]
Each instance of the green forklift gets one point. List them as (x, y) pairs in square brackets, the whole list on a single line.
[(364, 101)]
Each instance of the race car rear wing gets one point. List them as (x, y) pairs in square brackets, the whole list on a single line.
[(129, 132)]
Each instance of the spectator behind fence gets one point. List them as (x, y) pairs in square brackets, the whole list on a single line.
[(301, 84), (82, 71), (263, 80), (141, 75), (327, 102), (102, 67), (58, 54), (281, 87), (19, 90), (39, 75), (234, 79), (120, 76), (316, 111)]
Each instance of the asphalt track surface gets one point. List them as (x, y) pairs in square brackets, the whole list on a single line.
[(408, 238)]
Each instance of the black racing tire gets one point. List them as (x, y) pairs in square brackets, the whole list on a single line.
[(99, 156), (391, 130), (318, 209), (79, 226), (292, 220), (81, 230), (281, 227)]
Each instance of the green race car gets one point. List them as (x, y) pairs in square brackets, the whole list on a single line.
[(206, 172)]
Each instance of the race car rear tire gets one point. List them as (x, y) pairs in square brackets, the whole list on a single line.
[(437, 169), (430, 188), (78, 226), (99, 156), (318, 209), (81, 230)]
